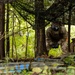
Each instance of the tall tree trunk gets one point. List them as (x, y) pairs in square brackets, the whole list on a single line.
[(39, 32), (7, 31), (2, 23)]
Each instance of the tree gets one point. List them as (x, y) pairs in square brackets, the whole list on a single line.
[(2, 22), (7, 31), (39, 30)]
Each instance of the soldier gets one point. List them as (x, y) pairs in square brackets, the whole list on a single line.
[(56, 35)]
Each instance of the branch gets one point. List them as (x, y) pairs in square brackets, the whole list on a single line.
[(7, 35), (7, 1), (22, 7)]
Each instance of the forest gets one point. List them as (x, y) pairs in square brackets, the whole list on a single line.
[(23, 25)]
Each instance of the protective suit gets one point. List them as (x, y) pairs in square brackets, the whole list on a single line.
[(56, 35)]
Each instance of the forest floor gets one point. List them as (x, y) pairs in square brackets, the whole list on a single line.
[(38, 67)]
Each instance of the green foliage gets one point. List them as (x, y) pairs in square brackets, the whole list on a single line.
[(55, 52), (71, 71), (60, 73), (20, 43), (69, 60), (19, 34), (72, 33), (41, 71)]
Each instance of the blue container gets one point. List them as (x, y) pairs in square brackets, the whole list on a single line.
[(22, 67), (27, 66)]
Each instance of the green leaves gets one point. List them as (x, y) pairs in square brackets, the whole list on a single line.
[(55, 52), (69, 60)]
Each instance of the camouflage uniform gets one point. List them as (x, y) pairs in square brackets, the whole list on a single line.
[(56, 35)]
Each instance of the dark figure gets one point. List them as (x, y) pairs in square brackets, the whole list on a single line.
[(72, 46), (56, 35)]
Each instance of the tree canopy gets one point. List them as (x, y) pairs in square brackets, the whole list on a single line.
[(54, 9)]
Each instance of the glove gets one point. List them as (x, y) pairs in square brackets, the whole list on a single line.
[(55, 45)]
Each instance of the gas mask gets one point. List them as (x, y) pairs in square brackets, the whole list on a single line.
[(55, 31), (55, 27)]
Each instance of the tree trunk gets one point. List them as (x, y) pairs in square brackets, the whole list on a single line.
[(39, 32), (2, 22), (7, 32)]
